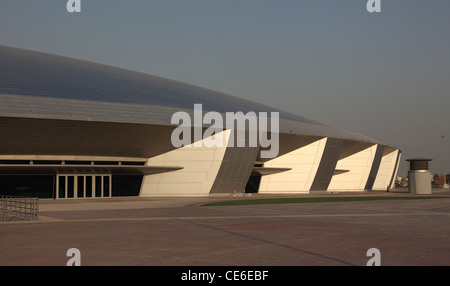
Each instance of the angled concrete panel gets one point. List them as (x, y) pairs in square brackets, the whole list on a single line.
[(387, 171), (359, 166), (303, 163), (201, 167), (235, 169), (394, 173), (375, 167), (327, 165)]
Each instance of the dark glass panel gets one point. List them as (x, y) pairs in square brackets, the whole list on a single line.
[(126, 185), (70, 186), (98, 186), (88, 186), (80, 187), (39, 186)]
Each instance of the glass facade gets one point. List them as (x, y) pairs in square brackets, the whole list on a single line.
[(126, 185), (67, 186), (40, 186)]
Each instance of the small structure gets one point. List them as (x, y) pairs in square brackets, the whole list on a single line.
[(419, 181)]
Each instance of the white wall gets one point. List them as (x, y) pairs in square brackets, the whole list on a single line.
[(384, 175), (201, 165), (359, 166), (304, 163)]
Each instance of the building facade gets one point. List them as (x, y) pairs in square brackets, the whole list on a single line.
[(77, 129)]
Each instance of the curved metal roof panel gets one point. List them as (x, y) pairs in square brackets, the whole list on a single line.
[(40, 85)]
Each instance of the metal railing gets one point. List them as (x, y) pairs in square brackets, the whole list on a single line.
[(13, 208)]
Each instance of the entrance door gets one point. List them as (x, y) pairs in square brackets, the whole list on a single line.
[(83, 186), (253, 184)]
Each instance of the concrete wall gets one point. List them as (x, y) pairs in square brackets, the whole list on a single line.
[(387, 170), (220, 170), (327, 165), (201, 166), (304, 162), (235, 170), (358, 166)]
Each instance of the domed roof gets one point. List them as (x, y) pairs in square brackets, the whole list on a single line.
[(40, 85)]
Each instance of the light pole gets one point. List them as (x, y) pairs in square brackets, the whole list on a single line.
[(444, 186)]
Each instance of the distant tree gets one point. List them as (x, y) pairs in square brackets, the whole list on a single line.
[(436, 177)]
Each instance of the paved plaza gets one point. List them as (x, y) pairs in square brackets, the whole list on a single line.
[(181, 232)]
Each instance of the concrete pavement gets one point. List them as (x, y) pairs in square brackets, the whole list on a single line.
[(177, 231)]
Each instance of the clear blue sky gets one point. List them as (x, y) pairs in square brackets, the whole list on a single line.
[(386, 75)]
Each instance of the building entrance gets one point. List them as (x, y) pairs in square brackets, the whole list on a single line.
[(70, 186)]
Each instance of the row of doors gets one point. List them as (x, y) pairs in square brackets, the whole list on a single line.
[(83, 186)]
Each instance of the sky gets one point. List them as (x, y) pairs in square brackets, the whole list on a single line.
[(385, 75)]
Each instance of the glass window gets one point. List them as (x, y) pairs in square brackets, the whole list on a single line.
[(62, 187), (88, 186), (98, 186), (106, 186), (80, 187), (70, 186)]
